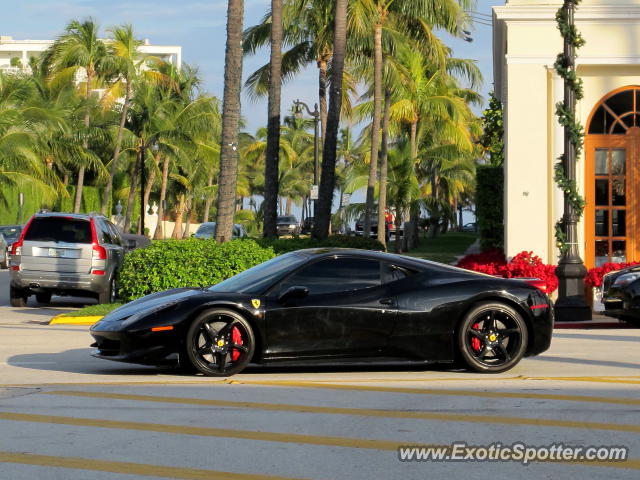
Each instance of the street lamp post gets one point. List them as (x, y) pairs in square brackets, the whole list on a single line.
[(143, 151), (571, 304), (315, 114)]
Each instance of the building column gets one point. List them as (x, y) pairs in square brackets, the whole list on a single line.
[(25, 59)]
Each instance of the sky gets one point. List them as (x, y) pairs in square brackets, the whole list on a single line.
[(199, 27)]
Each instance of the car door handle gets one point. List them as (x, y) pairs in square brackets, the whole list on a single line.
[(386, 301)]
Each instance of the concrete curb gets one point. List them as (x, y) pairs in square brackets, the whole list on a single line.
[(64, 320)]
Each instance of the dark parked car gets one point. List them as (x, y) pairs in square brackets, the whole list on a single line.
[(307, 225), (621, 294), (390, 227), (208, 230), (65, 254), (288, 225), (334, 305), (8, 234)]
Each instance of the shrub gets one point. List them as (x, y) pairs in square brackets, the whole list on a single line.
[(489, 208), (594, 276), (523, 265), (192, 262), (283, 245)]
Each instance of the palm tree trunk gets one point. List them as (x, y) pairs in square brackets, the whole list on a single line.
[(85, 144), (116, 152), (329, 157), (272, 155), (149, 186), (413, 140), (187, 226), (287, 207), (160, 233), (375, 125), (230, 122), (435, 222), (132, 193), (177, 227), (208, 200), (384, 166), (322, 94)]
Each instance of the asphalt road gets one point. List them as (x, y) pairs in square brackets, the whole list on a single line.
[(65, 415)]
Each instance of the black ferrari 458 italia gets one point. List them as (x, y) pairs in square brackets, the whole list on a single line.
[(330, 306)]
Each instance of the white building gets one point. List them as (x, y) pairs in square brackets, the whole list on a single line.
[(23, 50), (526, 42)]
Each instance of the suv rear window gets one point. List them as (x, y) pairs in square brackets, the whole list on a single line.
[(59, 229)]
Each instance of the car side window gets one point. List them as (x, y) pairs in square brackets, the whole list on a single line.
[(334, 275), (115, 235), (104, 232)]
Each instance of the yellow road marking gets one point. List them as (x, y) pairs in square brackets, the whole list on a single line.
[(129, 468), (205, 431), (366, 412), (62, 319), (458, 393)]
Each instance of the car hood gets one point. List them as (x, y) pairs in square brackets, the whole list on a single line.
[(151, 302)]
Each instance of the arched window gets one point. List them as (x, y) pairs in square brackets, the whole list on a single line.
[(617, 113)]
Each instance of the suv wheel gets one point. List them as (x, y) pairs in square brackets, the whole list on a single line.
[(17, 297), (109, 295), (44, 297)]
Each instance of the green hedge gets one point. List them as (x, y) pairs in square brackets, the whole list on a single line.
[(186, 263), (489, 206), (283, 245)]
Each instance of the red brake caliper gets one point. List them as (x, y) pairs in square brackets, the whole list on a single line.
[(235, 338), (475, 341)]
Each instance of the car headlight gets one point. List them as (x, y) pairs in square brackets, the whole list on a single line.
[(292, 226), (626, 279)]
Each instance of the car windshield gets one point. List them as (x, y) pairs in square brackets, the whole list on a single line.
[(256, 279), (287, 220), (10, 233), (207, 228), (59, 229)]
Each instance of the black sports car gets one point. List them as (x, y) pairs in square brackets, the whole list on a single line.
[(333, 305), (621, 294)]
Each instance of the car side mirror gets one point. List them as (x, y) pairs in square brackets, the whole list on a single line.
[(295, 292)]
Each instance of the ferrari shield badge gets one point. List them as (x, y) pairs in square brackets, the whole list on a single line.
[(256, 303)]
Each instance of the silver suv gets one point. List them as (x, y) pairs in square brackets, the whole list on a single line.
[(66, 254)]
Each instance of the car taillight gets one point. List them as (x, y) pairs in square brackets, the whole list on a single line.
[(97, 272), (16, 248), (99, 253), (539, 284)]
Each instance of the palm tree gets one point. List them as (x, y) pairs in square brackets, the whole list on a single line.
[(373, 16), (124, 51), (230, 122), (327, 179), (273, 125), (79, 48)]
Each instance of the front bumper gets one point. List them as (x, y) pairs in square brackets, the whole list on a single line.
[(145, 347)]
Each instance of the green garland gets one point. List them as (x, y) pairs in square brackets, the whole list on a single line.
[(567, 119)]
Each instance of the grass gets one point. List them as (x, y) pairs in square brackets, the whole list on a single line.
[(93, 310), (444, 248)]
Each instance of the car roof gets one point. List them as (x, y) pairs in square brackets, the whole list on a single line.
[(75, 216), (394, 258)]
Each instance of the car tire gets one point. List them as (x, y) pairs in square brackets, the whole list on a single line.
[(492, 337), (110, 294), (4, 264), (44, 298), (214, 338), (17, 298)]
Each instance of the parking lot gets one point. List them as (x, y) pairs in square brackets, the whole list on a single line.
[(66, 415)]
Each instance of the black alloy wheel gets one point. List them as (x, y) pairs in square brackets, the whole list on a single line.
[(220, 343), (492, 338)]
